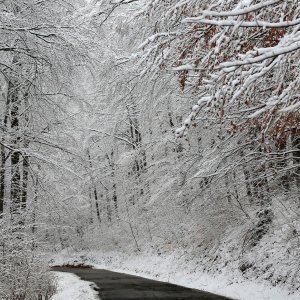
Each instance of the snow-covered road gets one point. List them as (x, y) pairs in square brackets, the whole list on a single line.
[(118, 286)]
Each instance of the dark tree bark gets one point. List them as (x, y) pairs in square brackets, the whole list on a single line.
[(25, 181), (25, 164), (94, 188), (14, 100), (3, 155), (2, 178), (110, 160)]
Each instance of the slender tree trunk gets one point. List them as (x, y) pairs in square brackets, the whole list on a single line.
[(2, 178), (97, 204), (115, 200), (94, 187), (108, 208), (35, 203), (114, 187), (228, 192), (131, 227), (3, 156), (91, 206), (13, 94), (25, 164), (110, 161), (25, 182)]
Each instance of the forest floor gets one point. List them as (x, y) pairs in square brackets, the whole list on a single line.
[(184, 273)]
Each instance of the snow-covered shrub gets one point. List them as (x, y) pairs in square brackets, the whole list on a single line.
[(23, 273)]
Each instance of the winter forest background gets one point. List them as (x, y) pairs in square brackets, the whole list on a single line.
[(159, 127)]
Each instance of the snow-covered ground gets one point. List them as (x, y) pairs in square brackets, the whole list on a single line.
[(167, 269), (71, 287)]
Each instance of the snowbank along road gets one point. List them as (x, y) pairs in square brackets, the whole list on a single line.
[(118, 286)]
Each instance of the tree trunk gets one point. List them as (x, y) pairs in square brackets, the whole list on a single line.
[(108, 208), (3, 156), (110, 161), (14, 101), (25, 164), (94, 187), (2, 178), (35, 204), (228, 192), (25, 182)]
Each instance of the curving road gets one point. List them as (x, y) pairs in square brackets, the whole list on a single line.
[(118, 286)]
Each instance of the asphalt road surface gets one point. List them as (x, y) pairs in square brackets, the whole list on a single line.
[(118, 286)]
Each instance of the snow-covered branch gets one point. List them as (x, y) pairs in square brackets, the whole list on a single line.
[(233, 23), (237, 12)]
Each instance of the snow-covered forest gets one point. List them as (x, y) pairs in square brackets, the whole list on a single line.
[(163, 132)]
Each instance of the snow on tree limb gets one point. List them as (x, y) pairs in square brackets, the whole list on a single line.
[(256, 23), (243, 56), (237, 12)]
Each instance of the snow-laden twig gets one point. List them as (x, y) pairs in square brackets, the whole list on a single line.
[(233, 23), (272, 52), (237, 12)]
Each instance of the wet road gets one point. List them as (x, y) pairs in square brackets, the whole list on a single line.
[(118, 286)]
